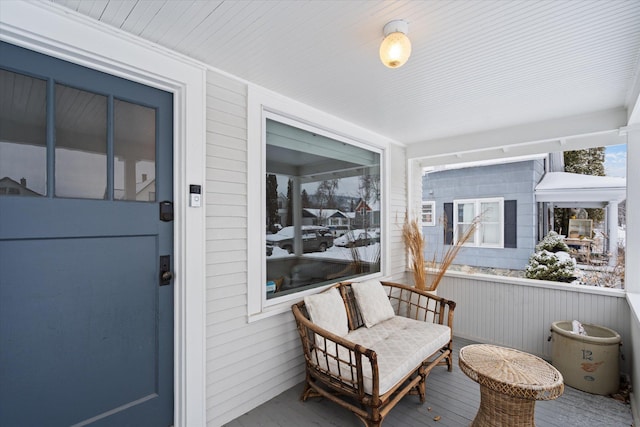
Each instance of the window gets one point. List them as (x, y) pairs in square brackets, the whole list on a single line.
[(93, 157), (489, 216), (23, 138), (323, 180), (428, 213)]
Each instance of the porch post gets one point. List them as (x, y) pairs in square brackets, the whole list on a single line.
[(612, 231)]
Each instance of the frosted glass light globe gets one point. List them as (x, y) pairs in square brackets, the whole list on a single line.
[(395, 50)]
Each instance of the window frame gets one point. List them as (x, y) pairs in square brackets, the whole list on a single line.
[(432, 204), (476, 241), (268, 115), (263, 104)]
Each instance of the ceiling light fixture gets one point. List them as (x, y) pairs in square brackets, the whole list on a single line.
[(396, 46)]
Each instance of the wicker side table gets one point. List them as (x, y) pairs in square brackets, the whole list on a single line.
[(510, 383)]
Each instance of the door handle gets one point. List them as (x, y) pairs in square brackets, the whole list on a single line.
[(166, 275)]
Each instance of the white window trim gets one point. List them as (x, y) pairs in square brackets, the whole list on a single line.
[(431, 203), (260, 104), (477, 235)]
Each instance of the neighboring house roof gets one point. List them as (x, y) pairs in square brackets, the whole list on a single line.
[(324, 213), (142, 186), (363, 205), (118, 193), (488, 162), (12, 186), (573, 187)]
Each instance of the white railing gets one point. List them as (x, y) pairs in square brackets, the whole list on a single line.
[(518, 312)]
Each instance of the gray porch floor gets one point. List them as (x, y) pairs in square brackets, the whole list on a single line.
[(450, 395)]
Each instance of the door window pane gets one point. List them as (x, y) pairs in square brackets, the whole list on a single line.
[(135, 152), (81, 143), (23, 144)]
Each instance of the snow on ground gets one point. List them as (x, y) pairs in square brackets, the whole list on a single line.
[(369, 253), (599, 276)]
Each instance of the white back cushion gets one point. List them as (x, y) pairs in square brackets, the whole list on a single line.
[(327, 310), (373, 302)]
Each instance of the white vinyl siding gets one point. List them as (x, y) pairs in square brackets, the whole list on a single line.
[(249, 363), (394, 250)]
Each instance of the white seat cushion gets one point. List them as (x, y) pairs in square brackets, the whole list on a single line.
[(401, 345)]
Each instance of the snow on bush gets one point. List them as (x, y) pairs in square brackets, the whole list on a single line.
[(552, 242), (551, 261)]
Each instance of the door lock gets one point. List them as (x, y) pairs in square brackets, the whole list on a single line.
[(166, 275), (166, 211)]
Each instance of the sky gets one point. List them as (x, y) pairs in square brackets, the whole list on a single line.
[(615, 160)]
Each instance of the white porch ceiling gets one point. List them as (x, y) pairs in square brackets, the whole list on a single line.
[(475, 66)]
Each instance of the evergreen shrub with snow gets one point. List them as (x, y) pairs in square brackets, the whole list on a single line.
[(551, 261)]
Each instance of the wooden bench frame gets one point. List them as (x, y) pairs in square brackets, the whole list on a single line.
[(347, 389)]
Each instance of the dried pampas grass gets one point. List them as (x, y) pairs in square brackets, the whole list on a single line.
[(414, 241)]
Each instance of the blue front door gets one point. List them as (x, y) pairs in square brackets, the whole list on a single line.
[(86, 321)]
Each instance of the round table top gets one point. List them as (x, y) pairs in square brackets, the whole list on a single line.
[(510, 371)]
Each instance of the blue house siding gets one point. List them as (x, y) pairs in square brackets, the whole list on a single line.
[(512, 181)]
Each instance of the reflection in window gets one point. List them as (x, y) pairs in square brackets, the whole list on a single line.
[(134, 148), (81, 144), (322, 210), (23, 145)]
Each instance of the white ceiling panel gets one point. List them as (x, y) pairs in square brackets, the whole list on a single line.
[(476, 65)]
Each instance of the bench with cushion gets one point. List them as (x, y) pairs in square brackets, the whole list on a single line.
[(367, 345)]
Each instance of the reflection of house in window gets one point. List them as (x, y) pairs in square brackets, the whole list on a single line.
[(11, 187), (365, 217), (145, 190), (312, 216), (282, 209)]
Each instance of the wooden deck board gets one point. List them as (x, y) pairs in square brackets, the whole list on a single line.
[(451, 395)]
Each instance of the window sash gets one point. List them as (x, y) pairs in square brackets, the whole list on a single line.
[(489, 213), (428, 213), (368, 161)]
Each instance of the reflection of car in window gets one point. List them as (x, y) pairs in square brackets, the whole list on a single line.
[(356, 238), (314, 239), (338, 230)]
